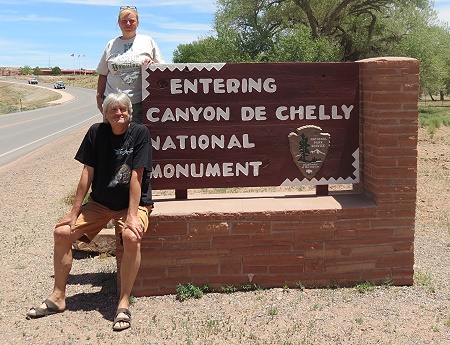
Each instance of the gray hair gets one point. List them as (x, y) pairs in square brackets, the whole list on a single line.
[(114, 98)]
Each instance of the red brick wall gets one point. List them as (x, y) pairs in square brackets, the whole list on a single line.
[(365, 235)]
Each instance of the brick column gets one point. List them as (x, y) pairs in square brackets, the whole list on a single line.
[(389, 108), (389, 91)]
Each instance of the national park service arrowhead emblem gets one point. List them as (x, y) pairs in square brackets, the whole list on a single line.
[(309, 148)]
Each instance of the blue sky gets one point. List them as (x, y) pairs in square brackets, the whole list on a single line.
[(46, 32)]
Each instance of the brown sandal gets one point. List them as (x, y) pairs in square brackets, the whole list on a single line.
[(126, 319), (51, 309)]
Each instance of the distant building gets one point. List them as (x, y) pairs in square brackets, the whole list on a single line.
[(69, 71), (10, 71)]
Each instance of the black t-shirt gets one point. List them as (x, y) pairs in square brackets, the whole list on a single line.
[(113, 157)]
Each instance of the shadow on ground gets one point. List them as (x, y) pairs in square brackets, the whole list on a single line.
[(104, 300)]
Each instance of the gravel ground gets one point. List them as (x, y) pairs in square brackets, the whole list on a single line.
[(32, 195)]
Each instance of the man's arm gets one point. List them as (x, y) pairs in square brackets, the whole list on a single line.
[(133, 222), (87, 175), (101, 87)]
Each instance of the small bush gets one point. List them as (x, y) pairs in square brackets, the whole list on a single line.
[(229, 289), (188, 290), (365, 287)]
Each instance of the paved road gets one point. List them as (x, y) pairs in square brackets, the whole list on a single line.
[(24, 132)]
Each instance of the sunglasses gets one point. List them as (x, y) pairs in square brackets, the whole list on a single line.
[(134, 8)]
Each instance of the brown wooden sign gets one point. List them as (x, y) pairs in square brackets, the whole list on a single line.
[(252, 124)]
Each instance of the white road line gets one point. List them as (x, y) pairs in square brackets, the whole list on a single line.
[(48, 136)]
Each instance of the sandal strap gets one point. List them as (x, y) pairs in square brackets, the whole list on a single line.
[(50, 305), (124, 311)]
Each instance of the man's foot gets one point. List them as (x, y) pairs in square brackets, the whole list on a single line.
[(122, 320), (47, 308)]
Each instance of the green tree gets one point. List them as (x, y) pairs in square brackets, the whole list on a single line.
[(358, 27), (37, 71), (327, 30), (225, 47), (56, 71), (431, 46), (25, 70), (297, 45)]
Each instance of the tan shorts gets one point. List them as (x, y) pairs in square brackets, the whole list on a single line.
[(94, 217)]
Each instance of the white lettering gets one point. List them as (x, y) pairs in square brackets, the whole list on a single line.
[(202, 170), (234, 142), (189, 114), (233, 85), (182, 140), (228, 170), (212, 170), (190, 85), (205, 82), (150, 113), (322, 115), (168, 144), (202, 142), (347, 110), (175, 86), (258, 113), (219, 85), (194, 172), (308, 112)]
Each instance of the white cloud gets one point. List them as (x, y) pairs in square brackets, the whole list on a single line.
[(203, 6), (33, 18)]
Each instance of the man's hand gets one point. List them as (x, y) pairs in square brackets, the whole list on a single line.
[(134, 224), (69, 219)]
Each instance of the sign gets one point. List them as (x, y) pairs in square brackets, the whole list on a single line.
[(252, 124), (309, 148)]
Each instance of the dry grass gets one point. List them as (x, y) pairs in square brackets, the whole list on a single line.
[(19, 97), (86, 81)]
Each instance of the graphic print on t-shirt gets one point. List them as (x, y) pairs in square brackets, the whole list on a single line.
[(123, 154), (127, 46), (126, 64), (130, 77), (122, 176)]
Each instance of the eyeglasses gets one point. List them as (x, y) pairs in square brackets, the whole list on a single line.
[(134, 8), (126, 21)]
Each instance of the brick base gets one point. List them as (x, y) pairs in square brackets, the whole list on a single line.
[(273, 240)]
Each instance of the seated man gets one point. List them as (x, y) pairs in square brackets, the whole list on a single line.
[(117, 162)]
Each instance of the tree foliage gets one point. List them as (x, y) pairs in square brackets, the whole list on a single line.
[(56, 71), (25, 70), (37, 71), (359, 28), (431, 46), (327, 30)]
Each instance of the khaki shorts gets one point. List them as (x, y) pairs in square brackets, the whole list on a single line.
[(94, 217)]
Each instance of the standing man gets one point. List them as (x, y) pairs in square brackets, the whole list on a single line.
[(117, 163)]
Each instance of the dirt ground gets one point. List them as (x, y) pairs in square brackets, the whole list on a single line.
[(31, 199)]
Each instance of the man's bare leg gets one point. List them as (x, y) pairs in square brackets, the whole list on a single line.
[(62, 263), (129, 268)]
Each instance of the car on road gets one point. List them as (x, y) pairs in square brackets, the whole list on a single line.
[(59, 85), (32, 81)]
